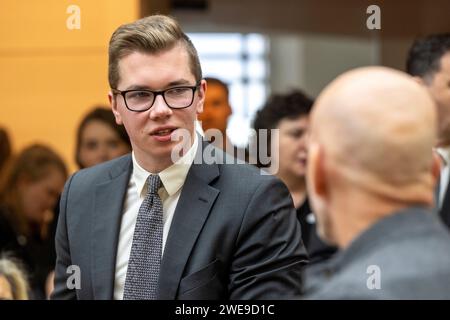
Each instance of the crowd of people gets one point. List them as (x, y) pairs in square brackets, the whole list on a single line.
[(360, 183), (31, 183)]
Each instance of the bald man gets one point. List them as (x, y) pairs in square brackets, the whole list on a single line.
[(371, 175)]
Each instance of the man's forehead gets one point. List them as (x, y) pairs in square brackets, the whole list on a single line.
[(176, 53), (146, 71)]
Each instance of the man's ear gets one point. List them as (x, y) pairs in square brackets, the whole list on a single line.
[(419, 80), (201, 96), (113, 103)]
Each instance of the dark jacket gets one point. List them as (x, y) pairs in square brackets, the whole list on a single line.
[(234, 234), (403, 256)]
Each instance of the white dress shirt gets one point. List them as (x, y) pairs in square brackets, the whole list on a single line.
[(445, 171), (172, 179)]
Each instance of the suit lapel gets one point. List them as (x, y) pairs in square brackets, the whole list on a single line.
[(108, 205), (194, 205), (445, 209)]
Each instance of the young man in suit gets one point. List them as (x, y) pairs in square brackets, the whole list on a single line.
[(371, 178), (429, 62), (148, 226)]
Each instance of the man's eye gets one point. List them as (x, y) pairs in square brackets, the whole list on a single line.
[(139, 94), (177, 91)]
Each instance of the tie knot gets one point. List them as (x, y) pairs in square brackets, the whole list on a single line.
[(153, 183)]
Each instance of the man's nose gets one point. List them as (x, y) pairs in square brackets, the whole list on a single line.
[(160, 109)]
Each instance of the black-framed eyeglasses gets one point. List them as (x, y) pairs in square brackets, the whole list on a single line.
[(139, 100)]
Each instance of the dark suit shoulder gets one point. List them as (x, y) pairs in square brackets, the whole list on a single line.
[(232, 171), (246, 179), (104, 171)]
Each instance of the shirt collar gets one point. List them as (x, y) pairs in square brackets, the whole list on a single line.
[(172, 177), (445, 154)]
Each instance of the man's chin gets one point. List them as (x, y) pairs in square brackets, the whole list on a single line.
[(171, 149)]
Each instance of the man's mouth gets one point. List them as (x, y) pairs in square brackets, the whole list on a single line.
[(164, 132)]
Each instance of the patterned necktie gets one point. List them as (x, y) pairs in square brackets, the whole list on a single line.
[(141, 282)]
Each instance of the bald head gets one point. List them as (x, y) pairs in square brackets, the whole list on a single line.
[(377, 126)]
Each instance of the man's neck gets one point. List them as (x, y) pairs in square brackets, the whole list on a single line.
[(153, 165), (354, 215)]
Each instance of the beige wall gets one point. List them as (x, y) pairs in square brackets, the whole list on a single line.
[(49, 75), (310, 62)]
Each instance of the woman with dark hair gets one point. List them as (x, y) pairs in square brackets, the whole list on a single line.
[(289, 115), (100, 139), (29, 190)]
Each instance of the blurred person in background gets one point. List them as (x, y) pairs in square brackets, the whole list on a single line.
[(13, 282), (5, 148), (216, 110), (29, 190), (215, 115), (100, 139), (289, 113), (429, 63)]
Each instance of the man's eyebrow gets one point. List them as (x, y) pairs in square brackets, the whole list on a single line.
[(136, 87), (179, 82)]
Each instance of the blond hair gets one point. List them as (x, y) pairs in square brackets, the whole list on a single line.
[(12, 270), (152, 34)]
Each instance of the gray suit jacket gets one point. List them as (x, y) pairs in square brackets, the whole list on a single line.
[(404, 256), (234, 234)]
